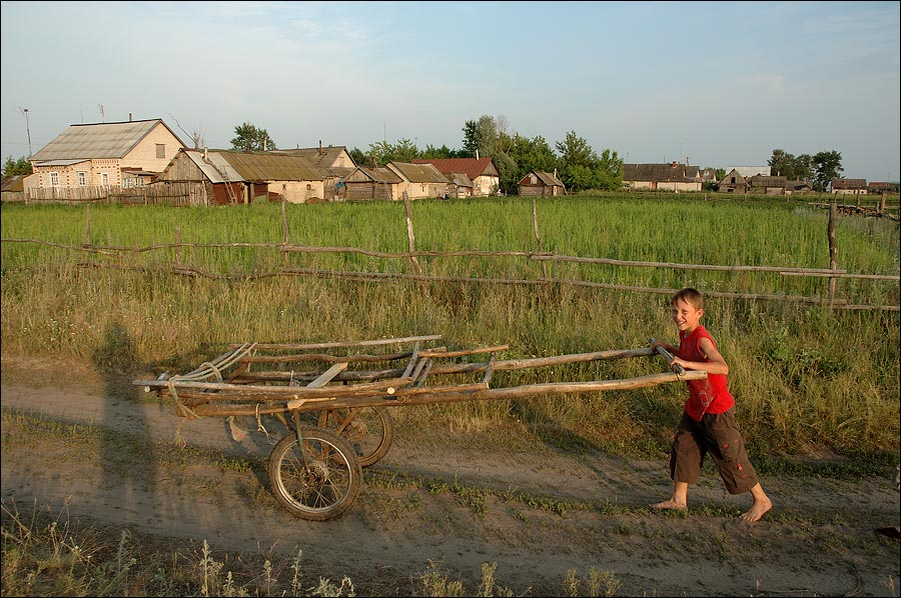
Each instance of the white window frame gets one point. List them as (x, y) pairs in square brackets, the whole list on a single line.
[(54, 179), (104, 179), (82, 178)]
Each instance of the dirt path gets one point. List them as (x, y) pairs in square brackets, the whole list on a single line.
[(818, 539)]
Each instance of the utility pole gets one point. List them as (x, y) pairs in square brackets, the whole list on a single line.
[(27, 129)]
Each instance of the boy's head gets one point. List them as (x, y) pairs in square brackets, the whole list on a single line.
[(687, 309), (691, 296)]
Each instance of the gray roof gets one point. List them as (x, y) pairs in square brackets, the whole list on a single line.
[(104, 140), (273, 167), (549, 179), (419, 173), (768, 181), (660, 172), (749, 171)]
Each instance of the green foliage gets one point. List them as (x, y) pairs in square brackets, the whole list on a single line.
[(827, 166), (581, 168), (249, 138), (15, 167), (383, 152)]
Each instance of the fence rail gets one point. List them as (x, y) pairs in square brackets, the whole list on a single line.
[(180, 268)]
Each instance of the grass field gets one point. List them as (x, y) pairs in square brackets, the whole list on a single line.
[(806, 377)]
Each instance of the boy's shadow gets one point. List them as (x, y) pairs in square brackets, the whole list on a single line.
[(129, 471)]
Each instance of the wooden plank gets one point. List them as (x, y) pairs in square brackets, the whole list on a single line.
[(327, 375)]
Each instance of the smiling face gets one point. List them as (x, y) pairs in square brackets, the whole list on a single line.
[(686, 316)]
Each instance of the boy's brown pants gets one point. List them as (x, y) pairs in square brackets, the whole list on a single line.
[(718, 435)]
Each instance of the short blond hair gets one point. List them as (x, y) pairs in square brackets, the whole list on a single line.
[(691, 296)]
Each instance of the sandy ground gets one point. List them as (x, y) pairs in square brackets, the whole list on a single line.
[(818, 540)]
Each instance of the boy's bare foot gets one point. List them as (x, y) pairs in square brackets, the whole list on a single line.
[(670, 505), (757, 510)]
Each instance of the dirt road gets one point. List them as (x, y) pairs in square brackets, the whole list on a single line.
[(818, 540)]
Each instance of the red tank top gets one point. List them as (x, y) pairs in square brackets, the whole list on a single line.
[(704, 396)]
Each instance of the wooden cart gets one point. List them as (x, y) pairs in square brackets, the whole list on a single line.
[(315, 471)]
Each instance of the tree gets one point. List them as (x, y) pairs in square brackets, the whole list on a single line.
[(481, 136), (794, 168), (383, 152), (581, 168), (251, 139), (13, 167), (827, 166)]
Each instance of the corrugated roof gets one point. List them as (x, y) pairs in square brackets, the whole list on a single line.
[(377, 175), (471, 167), (14, 184), (104, 140), (769, 181), (273, 167), (419, 173)]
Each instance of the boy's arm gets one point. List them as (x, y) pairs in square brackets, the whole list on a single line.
[(716, 365)]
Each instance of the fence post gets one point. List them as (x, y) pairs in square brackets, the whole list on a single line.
[(833, 251), (87, 225), (285, 230), (178, 246), (410, 238), (537, 236)]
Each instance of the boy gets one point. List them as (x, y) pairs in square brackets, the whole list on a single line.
[(708, 421)]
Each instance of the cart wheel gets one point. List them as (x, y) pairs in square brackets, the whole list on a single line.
[(369, 430), (317, 480)]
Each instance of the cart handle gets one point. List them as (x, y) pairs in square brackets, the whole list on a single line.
[(669, 357)]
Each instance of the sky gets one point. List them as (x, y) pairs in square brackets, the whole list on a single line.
[(715, 84)]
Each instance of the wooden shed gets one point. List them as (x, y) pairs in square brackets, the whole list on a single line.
[(662, 177), (543, 184), (419, 180), (733, 182), (371, 183)]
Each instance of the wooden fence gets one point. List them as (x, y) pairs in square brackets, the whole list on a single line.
[(173, 194), (833, 273)]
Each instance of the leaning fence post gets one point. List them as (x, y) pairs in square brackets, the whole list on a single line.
[(410, 238), (833, 251)]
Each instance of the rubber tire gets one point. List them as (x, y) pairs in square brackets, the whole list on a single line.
[(286, 475), (382, 438)]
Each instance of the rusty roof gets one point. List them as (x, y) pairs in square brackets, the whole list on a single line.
[(471, 167)]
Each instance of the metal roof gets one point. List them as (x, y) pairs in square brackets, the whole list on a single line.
[(60, 162), (104, 140)]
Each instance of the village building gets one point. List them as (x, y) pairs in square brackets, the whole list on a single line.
[(364, 184), (222, 177), (849, 186), (85, 161), (768, 185), (481, 171), (542, 184), (733, 182), (418, 180), (661, 177)]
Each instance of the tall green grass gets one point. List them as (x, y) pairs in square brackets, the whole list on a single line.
[(805, 377)]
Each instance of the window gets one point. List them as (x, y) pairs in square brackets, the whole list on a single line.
[(82, 178), (104, 179), (54, 179), (160, 150)]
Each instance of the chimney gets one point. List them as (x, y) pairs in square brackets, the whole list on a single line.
[(555, 173), (265, 145), (477, 153), (674, 163), (320, 147), (129, 117), (205, 159)]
